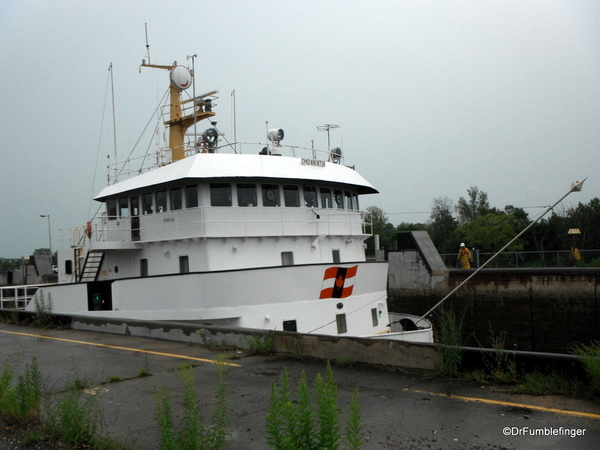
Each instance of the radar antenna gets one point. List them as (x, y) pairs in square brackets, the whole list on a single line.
[(327, 127)]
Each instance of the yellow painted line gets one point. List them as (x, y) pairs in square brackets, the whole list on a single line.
[(512, 404), (129, 349)]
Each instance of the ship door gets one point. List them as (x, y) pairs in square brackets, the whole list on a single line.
[(100, 295), (135, 228)]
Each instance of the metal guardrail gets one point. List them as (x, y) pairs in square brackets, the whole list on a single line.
[(17, 297), (531, 259)]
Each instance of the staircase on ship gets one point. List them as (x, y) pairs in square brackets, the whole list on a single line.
[(91, 266)]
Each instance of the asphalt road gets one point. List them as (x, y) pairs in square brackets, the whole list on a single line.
[(399, 410)]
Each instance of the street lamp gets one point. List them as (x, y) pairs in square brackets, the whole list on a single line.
[(49, 236)]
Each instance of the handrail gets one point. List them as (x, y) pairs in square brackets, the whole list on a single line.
[(124, 169)]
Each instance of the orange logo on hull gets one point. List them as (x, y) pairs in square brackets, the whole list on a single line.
[(338, 282)]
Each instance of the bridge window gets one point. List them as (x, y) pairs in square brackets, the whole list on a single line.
[(161, 201), (270, 195), (111, 209), (135, 206), (326, 201), (123, 207), (349, 200), (191, 196), (176, 199), (310, 197), (147, 204), (247, 195), (291, 195), (220, 194), (338, 198)]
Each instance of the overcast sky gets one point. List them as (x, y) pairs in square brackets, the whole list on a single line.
[(432, 97)]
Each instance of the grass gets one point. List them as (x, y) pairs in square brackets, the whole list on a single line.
[(449, 339), (553, 383), (296, 422), (43, 308), (191, 433), (260, 345), (591, 362)]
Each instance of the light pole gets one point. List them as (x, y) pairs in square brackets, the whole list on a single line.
[(49, 236)]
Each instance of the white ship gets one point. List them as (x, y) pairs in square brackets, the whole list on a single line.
[(264, 237)]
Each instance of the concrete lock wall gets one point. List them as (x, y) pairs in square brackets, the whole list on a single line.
[(357, 350), (547, 310)]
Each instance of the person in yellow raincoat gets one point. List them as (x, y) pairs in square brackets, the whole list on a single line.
[(464, 257)]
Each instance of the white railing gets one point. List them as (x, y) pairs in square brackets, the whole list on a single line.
[(122, 170), (208, 221), (17, 297)]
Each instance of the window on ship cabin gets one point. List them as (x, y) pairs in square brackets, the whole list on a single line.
[(220, 194), (270, 195), (338, 198), (135, 205), (124, 207), (340, 320), (143, 267), (161, 201), (374, 317), (111, 209), (176, 199), (287, 258), (336, 256), (147, 204), (326, 201), (310, 197), (348, 200), (191, 196), (184, 264), (356, 207), (247, 195), (291, 195)]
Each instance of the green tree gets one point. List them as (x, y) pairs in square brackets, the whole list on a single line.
[(382, 227), (490, 232), (586, 218), (476, 205), (442, 225)]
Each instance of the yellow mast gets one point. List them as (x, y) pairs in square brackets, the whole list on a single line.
[(178, 123)]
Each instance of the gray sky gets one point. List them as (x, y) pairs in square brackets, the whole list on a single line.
[(432, 97)]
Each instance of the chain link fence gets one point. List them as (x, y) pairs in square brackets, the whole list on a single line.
[(562, 258)]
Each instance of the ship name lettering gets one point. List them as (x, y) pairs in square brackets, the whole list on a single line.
[(313, 162)]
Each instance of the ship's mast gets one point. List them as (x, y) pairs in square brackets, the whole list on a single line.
[(181, 79)]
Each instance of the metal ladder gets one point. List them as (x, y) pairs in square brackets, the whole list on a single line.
[(91, 267)]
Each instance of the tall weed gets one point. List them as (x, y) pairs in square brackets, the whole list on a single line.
[(192, 434), (294, 424), (449, 339), (590, 355)]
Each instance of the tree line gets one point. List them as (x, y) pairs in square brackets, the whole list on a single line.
[(473, 221)]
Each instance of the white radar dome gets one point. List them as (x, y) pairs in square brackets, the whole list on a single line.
[(181, 77)]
